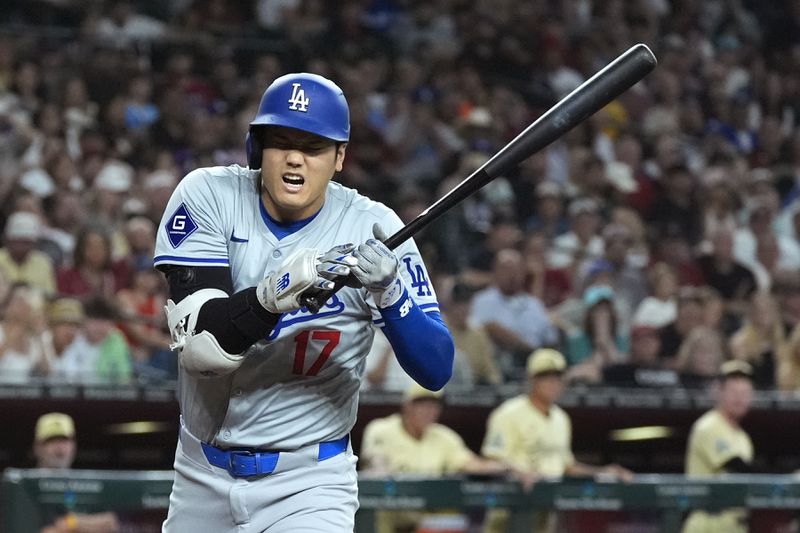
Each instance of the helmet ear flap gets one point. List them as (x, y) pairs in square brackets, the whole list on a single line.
[(253, 149)]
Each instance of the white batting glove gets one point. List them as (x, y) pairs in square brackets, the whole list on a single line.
[(304, 270), (378, 269)]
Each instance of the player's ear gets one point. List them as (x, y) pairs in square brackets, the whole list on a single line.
[(340, 149)]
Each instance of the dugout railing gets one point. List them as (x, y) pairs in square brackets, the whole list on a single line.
[(141, 498)]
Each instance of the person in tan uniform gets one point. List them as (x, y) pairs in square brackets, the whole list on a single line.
[(54, 447), (718, 445), (413, 442), (532, 434)]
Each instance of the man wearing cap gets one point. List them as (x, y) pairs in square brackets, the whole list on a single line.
[(54, 441), (68, 354), (718, 445), (412, 441), (54, 448), (19, 259), (530, 433)]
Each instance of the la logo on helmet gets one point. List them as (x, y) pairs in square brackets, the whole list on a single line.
[(298, 101)]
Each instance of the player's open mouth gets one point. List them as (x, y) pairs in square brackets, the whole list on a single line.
[(294, 182)]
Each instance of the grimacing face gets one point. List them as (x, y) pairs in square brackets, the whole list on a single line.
[(295, 171)]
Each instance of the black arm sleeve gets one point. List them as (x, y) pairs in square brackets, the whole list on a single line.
[(737, 466), (237, 322)]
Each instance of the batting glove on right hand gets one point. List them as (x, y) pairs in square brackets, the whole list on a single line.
[(378, 269), (304, 270)]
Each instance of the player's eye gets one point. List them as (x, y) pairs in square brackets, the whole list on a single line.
[(309, 146)]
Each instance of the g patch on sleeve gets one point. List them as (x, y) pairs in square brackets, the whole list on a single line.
[(180, 225)]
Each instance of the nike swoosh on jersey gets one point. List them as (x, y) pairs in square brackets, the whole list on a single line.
[(234, 238)]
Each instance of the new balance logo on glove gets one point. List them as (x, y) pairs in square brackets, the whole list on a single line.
[(282, 283)]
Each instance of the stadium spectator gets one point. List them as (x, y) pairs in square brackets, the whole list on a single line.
[(123, 26), (65, 346), (638, 253), (158, 186), (473, 345), (551, 285), (625, 278), (65, 215), (676, 251), (413, 442), (548, 216), (720, 201), (108, 352), (723, 272), (699, 357), (761, 215), (501, 234), (760, 339), (660, 308), (569, 250), (531, 434), (21, 351), (688, 315), (144, 324), (54, 447), (766, 266), (110, 188), (676, 209), (601, 339), (516, 321), (94, 273), (718, 445), (140, 236), (19, 259), (642, 369)]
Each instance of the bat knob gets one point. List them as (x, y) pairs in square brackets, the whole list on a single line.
[(311, 302)]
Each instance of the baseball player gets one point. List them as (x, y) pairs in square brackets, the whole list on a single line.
[(269, 388), (532, 434), (719, 445), (413, 441)]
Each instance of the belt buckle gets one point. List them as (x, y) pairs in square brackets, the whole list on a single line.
[(234, 469)]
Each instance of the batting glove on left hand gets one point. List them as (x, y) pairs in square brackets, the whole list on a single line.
[(304, 272), (378, 269)]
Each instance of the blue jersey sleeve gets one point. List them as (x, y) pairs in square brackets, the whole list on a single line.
[(421, 341)]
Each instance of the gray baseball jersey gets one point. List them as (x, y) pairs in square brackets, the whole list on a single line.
[(299, 385)]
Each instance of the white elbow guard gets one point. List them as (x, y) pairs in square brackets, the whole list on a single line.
[(199, 353)]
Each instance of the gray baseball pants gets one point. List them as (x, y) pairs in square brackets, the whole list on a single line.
[(301, 495)]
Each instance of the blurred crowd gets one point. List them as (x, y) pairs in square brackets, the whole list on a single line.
[(650, 244)]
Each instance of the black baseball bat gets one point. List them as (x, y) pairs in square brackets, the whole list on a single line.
[(588, 98)]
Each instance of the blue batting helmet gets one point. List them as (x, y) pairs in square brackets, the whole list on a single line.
[(303, 101)]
